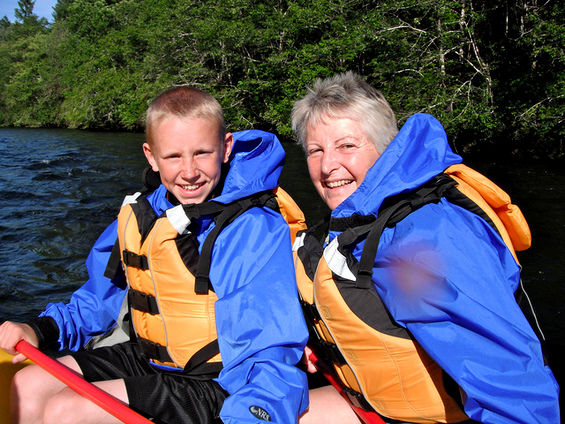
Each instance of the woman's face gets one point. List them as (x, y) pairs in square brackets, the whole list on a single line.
[(339, 155)]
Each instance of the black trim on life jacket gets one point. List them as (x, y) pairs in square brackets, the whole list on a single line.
[(142, 302), (146, 218), (313, 251), (228, 213), (198, 264), (197, 366), (187, 245), (151, 181), (114, 264), (393, 210)]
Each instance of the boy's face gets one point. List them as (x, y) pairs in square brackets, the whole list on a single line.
[(189, 155)]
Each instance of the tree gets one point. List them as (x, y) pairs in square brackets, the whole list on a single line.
[(492, 71), (24, 10)]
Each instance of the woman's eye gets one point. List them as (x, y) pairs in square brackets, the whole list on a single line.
[(310, 152)]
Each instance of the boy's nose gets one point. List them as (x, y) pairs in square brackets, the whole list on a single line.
[(188, 169)]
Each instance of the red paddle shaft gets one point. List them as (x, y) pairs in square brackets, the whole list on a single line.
[(367, 417), (79, 385)]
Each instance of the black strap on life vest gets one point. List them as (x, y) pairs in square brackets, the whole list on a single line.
[(393, 210), (142, 302), (228, 214), (198, 365), (146, 217), (199, 265)]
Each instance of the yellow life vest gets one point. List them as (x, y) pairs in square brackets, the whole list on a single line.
[(380, 365), (172, 308)]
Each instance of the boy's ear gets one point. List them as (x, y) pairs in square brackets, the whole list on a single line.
[(149, 156), (228, 145)]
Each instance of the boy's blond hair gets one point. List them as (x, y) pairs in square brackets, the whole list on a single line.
[(184, 103)]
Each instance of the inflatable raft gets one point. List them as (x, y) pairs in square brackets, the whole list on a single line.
[(7, 371), (71, 379)]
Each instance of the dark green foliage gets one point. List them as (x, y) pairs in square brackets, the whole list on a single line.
[(491, 71)]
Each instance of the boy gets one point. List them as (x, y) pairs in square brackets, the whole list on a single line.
[(170, 370)]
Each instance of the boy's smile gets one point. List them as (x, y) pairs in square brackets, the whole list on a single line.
[(188, 154)]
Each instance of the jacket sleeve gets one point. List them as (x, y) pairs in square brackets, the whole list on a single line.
[(261, 329), (449, 279), (94, 307)]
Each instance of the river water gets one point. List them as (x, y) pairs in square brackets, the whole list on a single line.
[(60, 188)]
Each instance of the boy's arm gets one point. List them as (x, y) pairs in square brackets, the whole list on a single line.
[(261, 330), (93, 308)]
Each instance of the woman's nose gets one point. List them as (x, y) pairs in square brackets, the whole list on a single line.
[(329, 162)]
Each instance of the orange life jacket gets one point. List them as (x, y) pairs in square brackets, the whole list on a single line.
[(170, 295), (380, 365)]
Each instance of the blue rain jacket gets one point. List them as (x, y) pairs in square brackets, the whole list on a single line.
[(446, 276), (261, 330)]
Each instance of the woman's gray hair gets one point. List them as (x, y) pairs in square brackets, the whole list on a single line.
[(345, 95)]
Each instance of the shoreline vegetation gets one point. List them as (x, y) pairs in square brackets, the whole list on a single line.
[(493, 72)]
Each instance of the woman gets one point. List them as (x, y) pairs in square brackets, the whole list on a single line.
[(429, 330)]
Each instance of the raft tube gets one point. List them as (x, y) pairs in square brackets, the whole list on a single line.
[(7, 371)]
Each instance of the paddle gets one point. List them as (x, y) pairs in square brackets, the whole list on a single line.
[(368, 417), (79, 385)]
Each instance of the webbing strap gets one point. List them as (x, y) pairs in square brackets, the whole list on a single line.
[(154, 351), (114, 262), (202, 278), (135, 260), (393, 211), (199, 364), (142, 302), (228, 215), (328, 349)]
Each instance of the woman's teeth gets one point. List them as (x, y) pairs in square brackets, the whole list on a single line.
[(335, 184)]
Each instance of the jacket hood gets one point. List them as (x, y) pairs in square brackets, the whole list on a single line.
[(255, 165), (418, 152)]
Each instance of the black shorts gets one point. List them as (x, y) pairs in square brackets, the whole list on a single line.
[(166, 396)]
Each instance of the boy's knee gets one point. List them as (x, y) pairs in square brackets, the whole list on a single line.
[(62, 407), (24, 381), (25, 405)]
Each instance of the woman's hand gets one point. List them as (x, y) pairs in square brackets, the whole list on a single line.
[(11, 333)]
